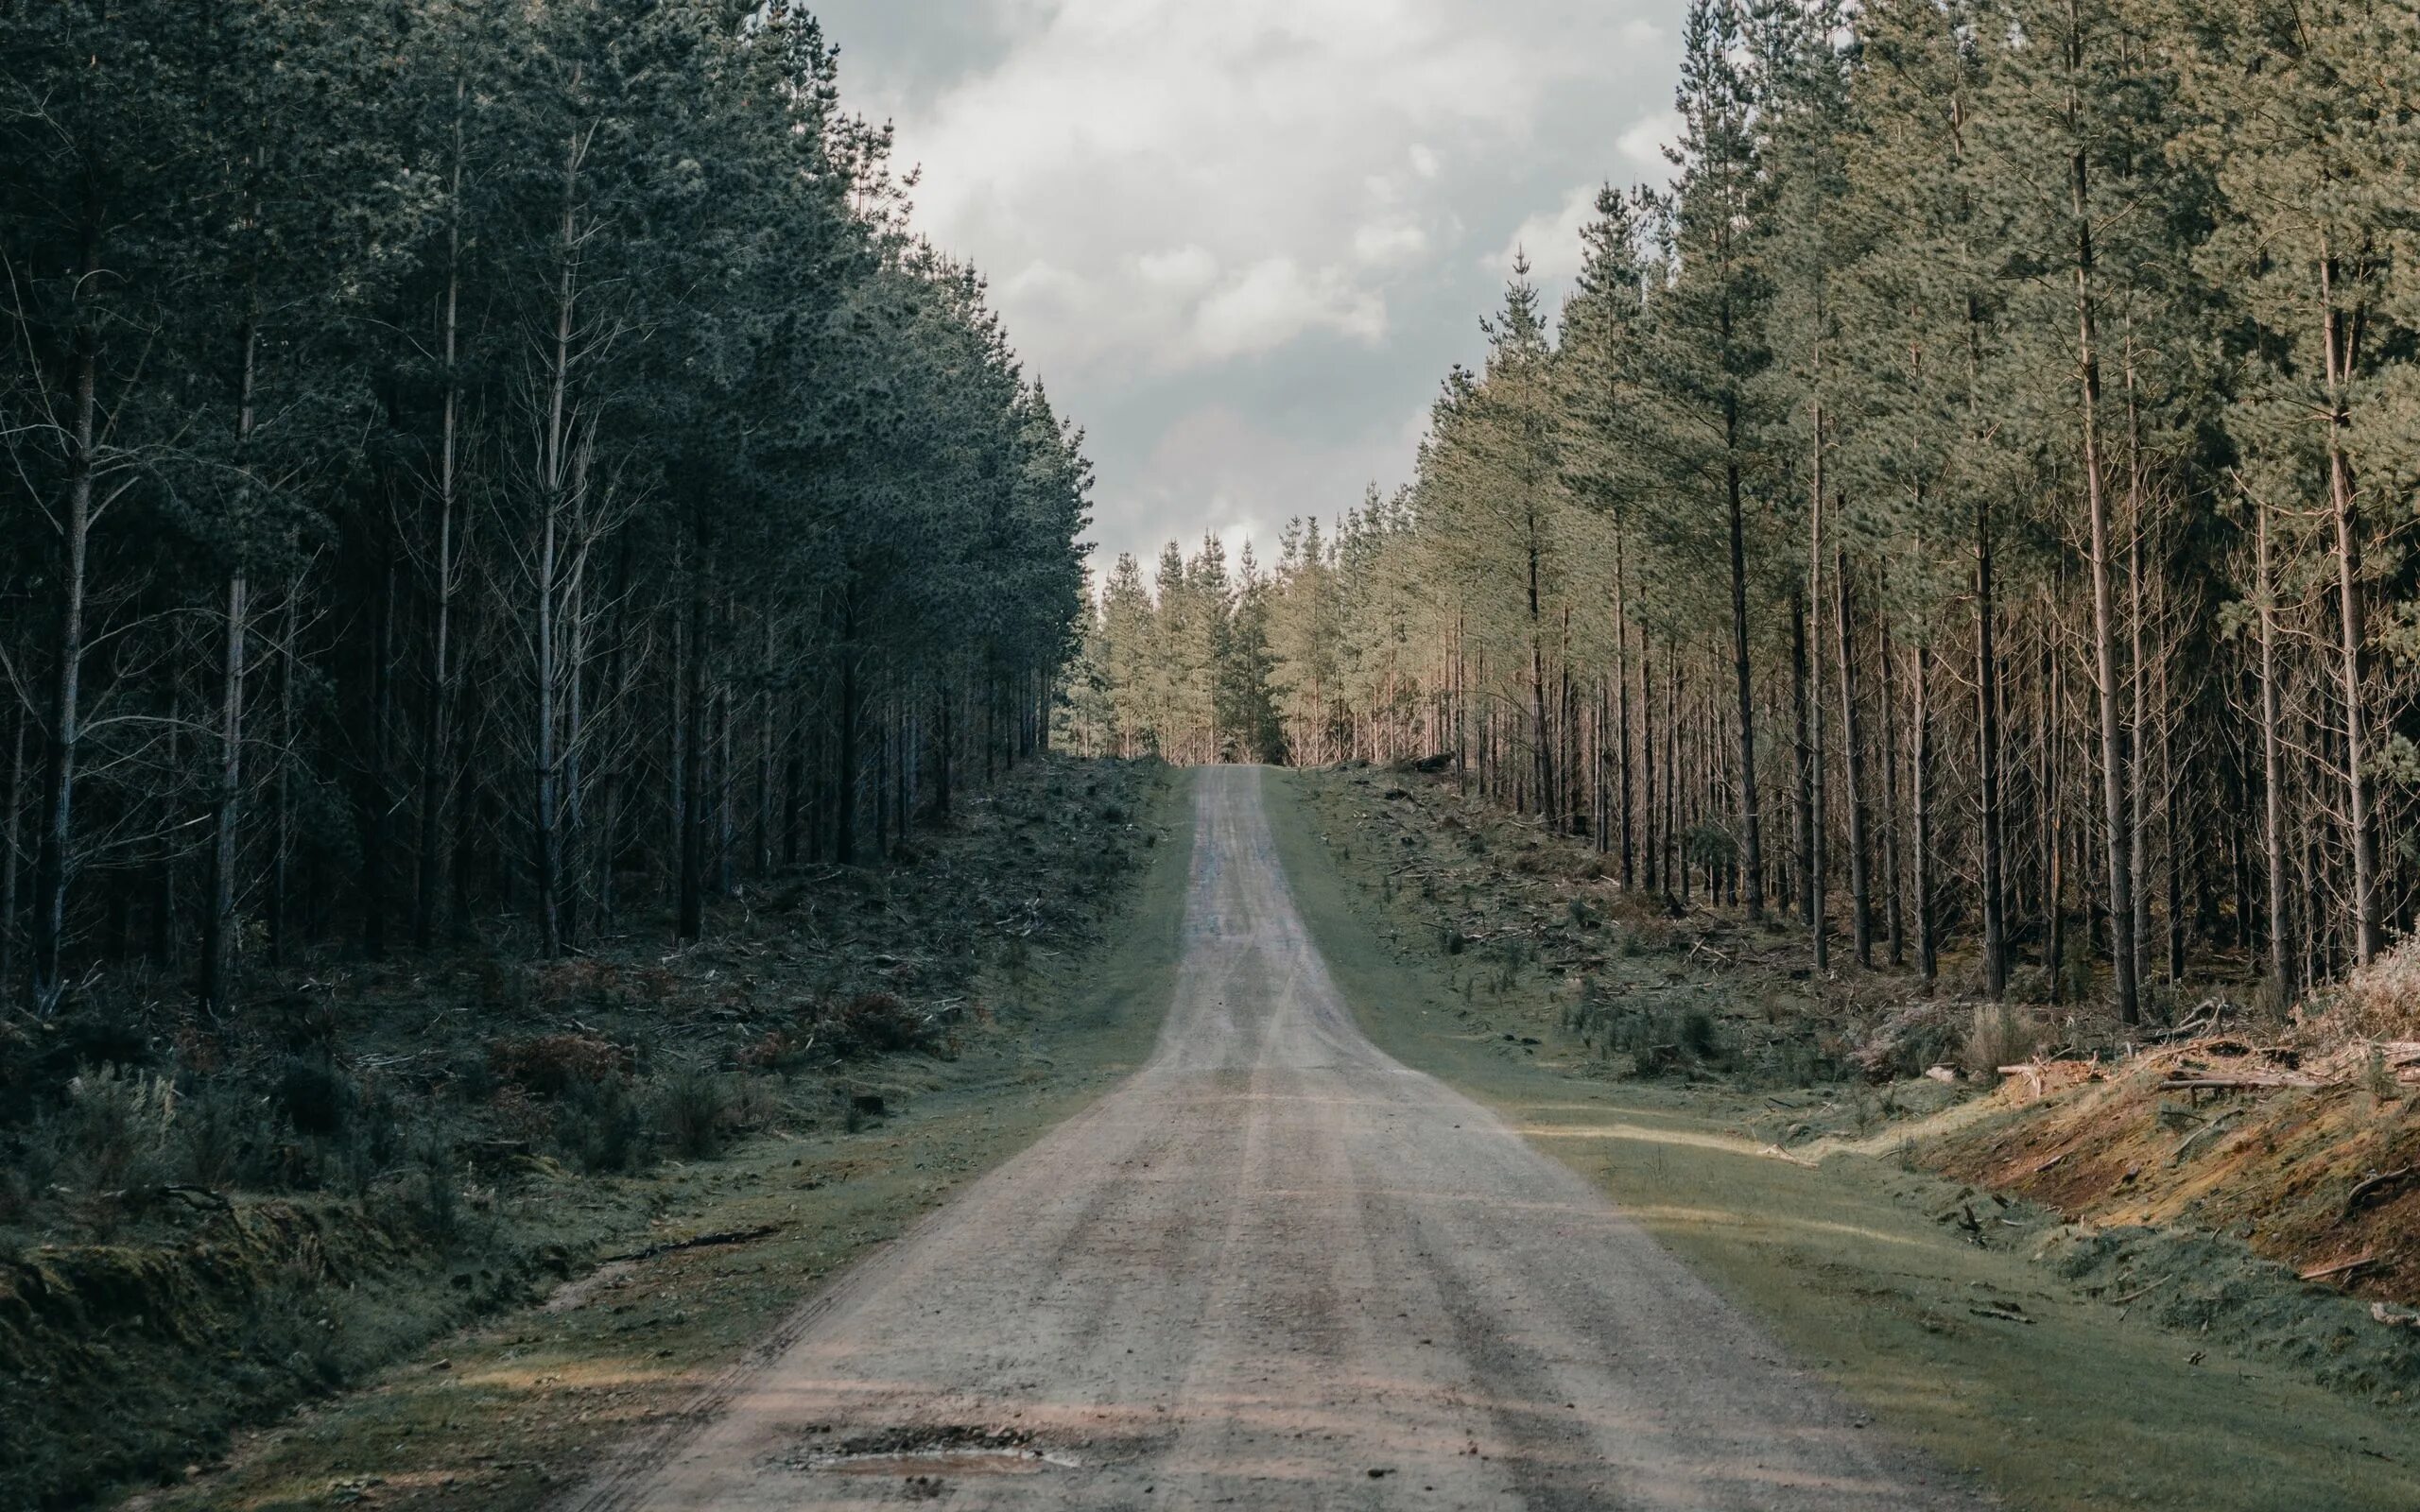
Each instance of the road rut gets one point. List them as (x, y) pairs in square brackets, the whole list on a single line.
[(1275, 1268)]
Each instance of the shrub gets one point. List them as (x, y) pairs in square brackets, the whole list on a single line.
[(553, 1065), (2380, 1000), (694, 1112), (876, 1024), (316, 1095), (599, 1127), (1999, 1035), (117, 1127), (217, 1124)]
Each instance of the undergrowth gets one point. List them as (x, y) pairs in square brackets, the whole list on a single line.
[(203, 1220)]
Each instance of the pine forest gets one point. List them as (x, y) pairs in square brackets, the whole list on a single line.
[(483, 462), (1966, 513)]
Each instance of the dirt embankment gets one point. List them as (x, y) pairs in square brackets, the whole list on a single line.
[(203, 1223), (2188, 1162)]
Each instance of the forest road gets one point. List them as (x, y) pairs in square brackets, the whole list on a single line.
[(1274, 1269)]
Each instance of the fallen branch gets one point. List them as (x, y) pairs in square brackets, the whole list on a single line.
[(2340, 1267), (2365, 1193), (2240, 1082), (714, 1241), (2208, 1130)]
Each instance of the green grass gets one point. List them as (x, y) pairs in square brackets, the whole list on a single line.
[(2082, 1407)]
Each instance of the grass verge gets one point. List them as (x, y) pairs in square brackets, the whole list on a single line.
[(1916, 1296), (709, 1256)]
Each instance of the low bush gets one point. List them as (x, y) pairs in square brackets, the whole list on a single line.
[(554, 1064), (876, 1024), (2380, 1000), (694, 1112), (1998, 1034)]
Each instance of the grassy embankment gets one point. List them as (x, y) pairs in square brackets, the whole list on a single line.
[(654, 1276), (1920, 1298)]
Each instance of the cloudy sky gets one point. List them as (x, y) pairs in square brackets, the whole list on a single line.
[(1242, 240)]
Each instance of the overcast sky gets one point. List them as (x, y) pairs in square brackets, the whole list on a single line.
[(1241, 241)]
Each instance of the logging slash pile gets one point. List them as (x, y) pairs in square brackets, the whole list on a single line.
[(2304, 1146), (201, 1220)]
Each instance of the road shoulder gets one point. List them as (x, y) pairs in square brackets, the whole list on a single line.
[(1914, 1296), (509, 1414)]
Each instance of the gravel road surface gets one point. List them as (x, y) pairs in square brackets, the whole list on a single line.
[(1274, 1269)]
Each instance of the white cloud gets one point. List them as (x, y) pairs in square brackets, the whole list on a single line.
[(1186, 269), (1642, 145), (1276, 302), (1550, 239), (1281, 206), (1390, 242)]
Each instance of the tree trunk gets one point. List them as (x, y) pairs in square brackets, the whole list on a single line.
[(1754, 862), (2114, 760), (1987, 760), (435, 776), (1621, 680), (219, 922), (689, 924), (1852, 766), (1653, 850), (1810, 781), (46, 985), (1892, 756), (2348, 599), (2281, 961), (1928, 943), (9, 869)]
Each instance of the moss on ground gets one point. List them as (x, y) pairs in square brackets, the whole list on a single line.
[(1917, 1297)]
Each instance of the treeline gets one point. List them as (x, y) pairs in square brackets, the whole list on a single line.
[(1967, 509), (476, 463)]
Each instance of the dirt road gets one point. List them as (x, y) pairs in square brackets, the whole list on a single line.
[(1273, 1269)]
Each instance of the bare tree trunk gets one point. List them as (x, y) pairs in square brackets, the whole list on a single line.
[(281, 848), (219, 925), (377, 823), (2340, 358), (219, 922), (1988, 752), (2055, 820), (2138, 924), (435, 749), (1621, 680), (1853, 765), (690, 919), (1673, 864), (555, 485), (1890, 760), (46, 985), (1751, 823), (2113, 759), (11, 870), (1928, 943), (845, 800), (2281, 961), (1814, 865), (1808, 712), (1541, 764), (1653, 850)]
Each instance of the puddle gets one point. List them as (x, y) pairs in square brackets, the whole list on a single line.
[(912, 1452)]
